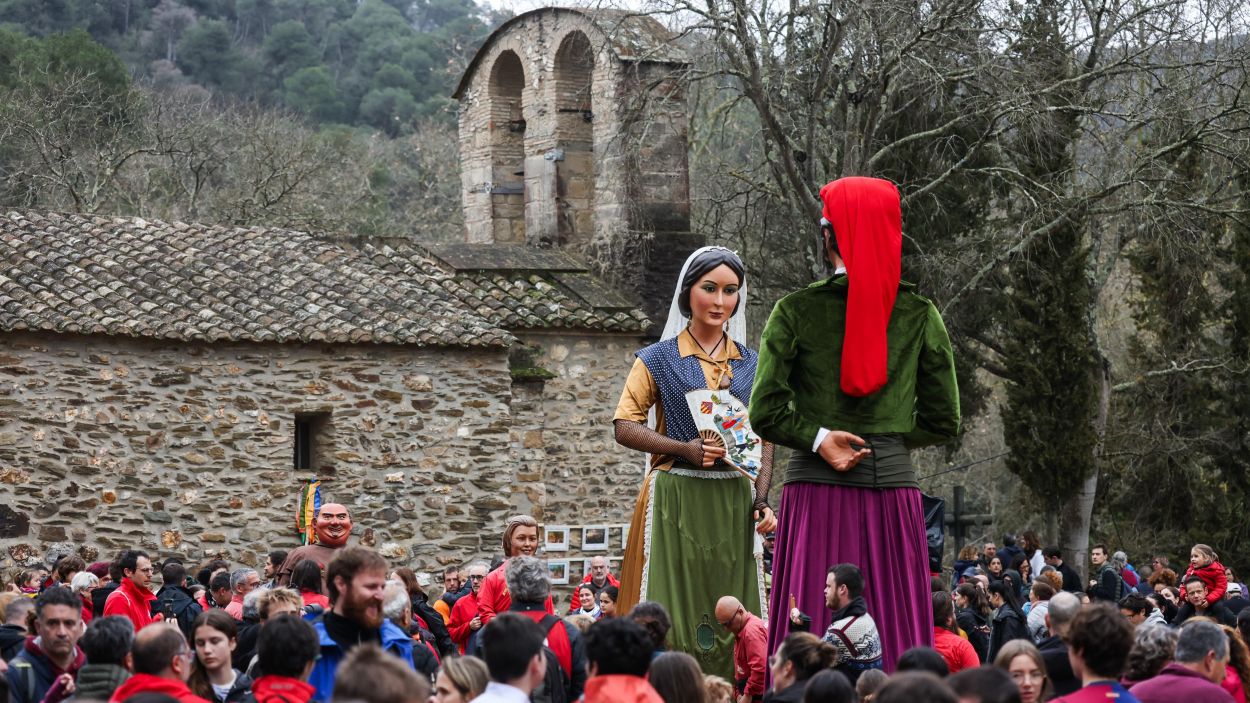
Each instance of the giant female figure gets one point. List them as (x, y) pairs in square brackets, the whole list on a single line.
[(691, 540)]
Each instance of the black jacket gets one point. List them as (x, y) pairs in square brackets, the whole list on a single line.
[(790, 694), (245, 647), (1007, 626), (1058, 666), (977, 627), (1071, 579), (12, 638), (98, 596), (177, 600), (1110, 587), (434, 622), (1216, 612)]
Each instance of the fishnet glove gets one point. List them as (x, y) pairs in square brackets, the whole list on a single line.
[(636, 435), (764, 479)]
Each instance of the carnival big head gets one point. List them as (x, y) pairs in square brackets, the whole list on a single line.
[(867, 224), (520, 536), (333, 525)]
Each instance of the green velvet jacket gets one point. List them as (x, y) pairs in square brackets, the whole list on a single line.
[(797, 389)]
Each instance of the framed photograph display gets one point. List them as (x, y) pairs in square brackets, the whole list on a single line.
[(558, 570), (556, 538), (595, 538)]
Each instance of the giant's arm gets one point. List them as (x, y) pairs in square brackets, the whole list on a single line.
[(764, 480), (773, 414), (937, 391), (636, 435)]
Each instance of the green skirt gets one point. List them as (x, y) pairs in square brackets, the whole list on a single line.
[(699, 545)]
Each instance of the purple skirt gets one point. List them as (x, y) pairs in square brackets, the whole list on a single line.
[(880, 531)]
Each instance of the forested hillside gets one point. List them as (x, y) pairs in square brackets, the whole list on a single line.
[(316, 114)]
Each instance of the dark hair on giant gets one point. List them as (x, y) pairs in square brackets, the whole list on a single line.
[(988, 684), (700, 265), (58, 595), (129, 559), (807, 653), (510, 641), (306, 576), (286, 644), (829, 686), (617, 646), (850, 576), (349, 562), (108, 640), (676, 676), (1102, 638), (975, 596), (655, 620)]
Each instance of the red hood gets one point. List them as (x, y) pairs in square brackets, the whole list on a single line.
[(868, 224), (620, 688), (139, 593), (280, 688), (147, 683)]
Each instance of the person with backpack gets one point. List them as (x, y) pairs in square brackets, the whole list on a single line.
[(48, 664), (512, 646), (1106, 584), (174, 601), (530, 587)]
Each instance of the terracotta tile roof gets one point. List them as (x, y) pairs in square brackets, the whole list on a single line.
[(518, 287), (83, 274)]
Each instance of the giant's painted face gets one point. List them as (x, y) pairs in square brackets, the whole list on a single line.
[(333, 525)]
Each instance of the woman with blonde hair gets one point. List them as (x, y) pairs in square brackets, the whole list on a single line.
[(1023, 662), (460, 680)]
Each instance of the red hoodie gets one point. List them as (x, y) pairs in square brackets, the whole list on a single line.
[(280, 689), (147, 683), (620, 688), (132, 601)]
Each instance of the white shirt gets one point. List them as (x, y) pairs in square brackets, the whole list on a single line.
[(501, 693)]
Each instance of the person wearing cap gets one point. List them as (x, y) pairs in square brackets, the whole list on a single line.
[(1235, 599), (855, 371)]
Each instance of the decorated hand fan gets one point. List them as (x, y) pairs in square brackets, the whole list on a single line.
[(722, 420)]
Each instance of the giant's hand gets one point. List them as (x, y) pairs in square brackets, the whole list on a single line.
[(765, 520), (837, 451)]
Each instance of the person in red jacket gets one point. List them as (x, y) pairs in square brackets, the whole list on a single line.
[(465, 620), (619, 653), (520, 537), (1205, 564), (133, 599), (957, 651), (162, 661)]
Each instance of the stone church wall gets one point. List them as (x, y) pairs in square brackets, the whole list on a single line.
[(188, 449)]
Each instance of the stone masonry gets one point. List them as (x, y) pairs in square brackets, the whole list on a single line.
[(186, 448), (573, 134)]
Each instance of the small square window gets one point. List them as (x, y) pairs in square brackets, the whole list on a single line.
[(310, 439)]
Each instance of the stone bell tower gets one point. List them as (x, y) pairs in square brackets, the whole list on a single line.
[(573, 135)]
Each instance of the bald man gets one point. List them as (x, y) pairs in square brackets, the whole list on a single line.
[(162, 661), (333, 525), (750, 648)]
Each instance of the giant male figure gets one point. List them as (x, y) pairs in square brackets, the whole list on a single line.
[(853, 372), (333, 524)]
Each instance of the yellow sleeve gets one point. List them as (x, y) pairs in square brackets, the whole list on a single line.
[(639, 394)]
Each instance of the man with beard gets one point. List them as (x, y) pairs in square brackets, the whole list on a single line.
[(853, 632), (333, 525), (465, 620), (356, 579), (520, 538), (51, 658)]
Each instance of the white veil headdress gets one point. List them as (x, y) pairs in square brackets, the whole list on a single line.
[(736, 327)]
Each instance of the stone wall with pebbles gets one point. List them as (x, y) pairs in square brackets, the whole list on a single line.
[(187, 448)]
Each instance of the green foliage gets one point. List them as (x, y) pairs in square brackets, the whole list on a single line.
[(369, 50)]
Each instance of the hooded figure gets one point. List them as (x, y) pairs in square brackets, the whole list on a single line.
[(854, 371)]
